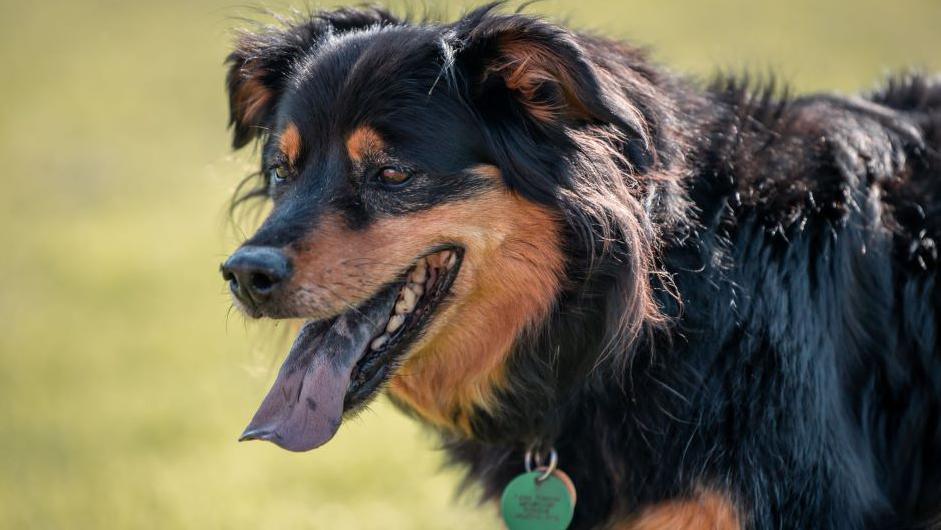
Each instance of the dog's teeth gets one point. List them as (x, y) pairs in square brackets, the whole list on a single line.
[(414, 292), (401, 307), (379, 342), (395, 323), (409, 297), (420, 280), (421, 270)]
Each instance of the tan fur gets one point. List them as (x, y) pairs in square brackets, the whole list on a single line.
[(525, 66), (250, 99), (290, 143), (508, 280), (708, 510), (363, 141)]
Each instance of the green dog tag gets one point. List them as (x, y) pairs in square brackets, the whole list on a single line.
[(529, 504)]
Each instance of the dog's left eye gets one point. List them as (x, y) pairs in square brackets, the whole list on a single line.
[(279, 174)]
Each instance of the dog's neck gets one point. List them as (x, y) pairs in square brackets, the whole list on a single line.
[(550, 366)]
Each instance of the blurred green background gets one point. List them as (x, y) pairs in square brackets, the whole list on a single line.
[(123, 383)]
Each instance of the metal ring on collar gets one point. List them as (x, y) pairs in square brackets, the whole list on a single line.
[(535, 456)]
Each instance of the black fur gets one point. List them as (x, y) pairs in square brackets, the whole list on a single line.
[(788, 247)]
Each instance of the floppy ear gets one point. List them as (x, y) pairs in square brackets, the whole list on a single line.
[(543, 69), (262, 63), (534, 85)]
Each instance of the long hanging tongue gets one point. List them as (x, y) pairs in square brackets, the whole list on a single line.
[(304, 407)]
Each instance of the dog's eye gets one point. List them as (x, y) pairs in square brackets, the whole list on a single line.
[(393, 177), (279, 174)]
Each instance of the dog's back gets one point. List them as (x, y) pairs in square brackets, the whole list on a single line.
[(899, 394), (828, 213)]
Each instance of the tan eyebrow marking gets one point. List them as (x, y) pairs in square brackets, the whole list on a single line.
[(363, 140), (290, 143)]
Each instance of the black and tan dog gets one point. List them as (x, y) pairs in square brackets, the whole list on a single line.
[(720, 306)]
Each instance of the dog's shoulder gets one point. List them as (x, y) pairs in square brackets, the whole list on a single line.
[(823, 159)]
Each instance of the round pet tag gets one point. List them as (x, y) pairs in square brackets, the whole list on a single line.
[(537, 501)]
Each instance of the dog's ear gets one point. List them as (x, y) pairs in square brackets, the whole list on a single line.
[(534, 84), (262, 63), (542, 68)]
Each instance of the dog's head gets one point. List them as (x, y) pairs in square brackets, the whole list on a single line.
[(429, 184)]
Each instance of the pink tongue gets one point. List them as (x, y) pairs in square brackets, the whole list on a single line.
[(304, 407)]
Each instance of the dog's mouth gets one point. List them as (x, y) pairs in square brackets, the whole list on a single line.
[(337, 365)]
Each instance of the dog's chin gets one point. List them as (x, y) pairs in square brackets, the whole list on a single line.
[(337, 365)]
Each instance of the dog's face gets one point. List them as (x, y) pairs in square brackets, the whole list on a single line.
[(394, 230)]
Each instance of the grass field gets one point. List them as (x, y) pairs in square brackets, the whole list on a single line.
[(123, 383)]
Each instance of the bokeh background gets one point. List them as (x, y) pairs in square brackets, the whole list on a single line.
[(124, 380)]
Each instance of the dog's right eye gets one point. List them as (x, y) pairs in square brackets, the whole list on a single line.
[(393, 177)]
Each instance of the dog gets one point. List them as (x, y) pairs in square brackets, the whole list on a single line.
[(717, 304)]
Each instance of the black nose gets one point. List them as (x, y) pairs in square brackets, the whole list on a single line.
[(254, 273)]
